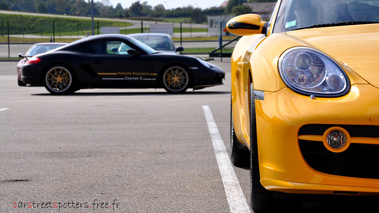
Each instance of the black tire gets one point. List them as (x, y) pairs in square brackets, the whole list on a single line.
[(176, 79), (21, 83), (239, 153), (261, 198), (60, 80)]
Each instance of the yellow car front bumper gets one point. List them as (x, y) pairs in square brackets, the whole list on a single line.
[(292, 155)]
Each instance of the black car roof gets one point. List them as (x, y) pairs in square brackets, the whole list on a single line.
[(97, 37), (149, 35), (102, 36), (50, 43), (106, 36)]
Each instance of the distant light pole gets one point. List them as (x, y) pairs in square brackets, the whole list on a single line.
[(92, 21)]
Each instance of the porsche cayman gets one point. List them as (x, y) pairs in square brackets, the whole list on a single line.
[(305, 99), (117, 61)]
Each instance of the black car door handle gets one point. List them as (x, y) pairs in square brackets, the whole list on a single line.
[(97, 62)]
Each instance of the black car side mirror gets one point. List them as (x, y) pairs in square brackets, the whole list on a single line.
[(179, 49), (133, 52), (21, 55)]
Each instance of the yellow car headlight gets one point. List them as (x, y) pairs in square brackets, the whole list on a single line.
[(311, 72)]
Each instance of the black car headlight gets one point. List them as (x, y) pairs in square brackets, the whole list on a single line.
[(311, 72)]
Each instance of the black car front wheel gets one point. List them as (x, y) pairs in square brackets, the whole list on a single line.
[(176, 79), (59, 80)]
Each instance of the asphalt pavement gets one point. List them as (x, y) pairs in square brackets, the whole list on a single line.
[(122, 150)]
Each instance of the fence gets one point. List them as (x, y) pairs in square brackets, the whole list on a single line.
[(21, 31), (15, 32), (30, 29)]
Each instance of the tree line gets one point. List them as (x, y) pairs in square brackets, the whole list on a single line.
[(137, 10)]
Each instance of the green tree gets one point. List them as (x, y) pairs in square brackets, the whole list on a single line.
[(180, 12), (42, 8), (126, 12), (197, 16), (119, 11), (241, 9), (214, 11), (159, 11), (28, 6), (135, 10), (62, 6), (146, 9), (80, 8), (4, 6), (51, 5), (106, 11), (233, 3)]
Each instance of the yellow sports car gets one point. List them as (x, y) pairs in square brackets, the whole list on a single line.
[(305, 99)]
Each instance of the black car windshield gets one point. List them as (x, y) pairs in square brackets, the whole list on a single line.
[(300, 14)]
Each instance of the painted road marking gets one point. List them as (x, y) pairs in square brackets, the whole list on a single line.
[(3, 109), (234, 195)]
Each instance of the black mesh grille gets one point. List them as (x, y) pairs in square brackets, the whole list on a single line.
[(354, 130), (359, 160)]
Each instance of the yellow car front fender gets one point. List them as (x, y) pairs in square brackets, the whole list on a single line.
[(241, 79)]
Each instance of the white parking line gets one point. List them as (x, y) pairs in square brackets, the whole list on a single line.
[(234, 195), (3, 109)]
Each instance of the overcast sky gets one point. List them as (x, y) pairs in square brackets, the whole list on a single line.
[(169, 4)]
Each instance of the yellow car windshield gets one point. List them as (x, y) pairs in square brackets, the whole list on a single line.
[(300, 14)]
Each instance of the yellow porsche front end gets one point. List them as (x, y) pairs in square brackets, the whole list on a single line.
[(305, 102), (293, 129), (294, 154)]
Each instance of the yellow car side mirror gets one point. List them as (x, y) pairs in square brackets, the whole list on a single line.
[(247, 24)]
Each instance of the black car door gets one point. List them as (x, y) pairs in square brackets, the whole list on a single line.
[(117, 68)]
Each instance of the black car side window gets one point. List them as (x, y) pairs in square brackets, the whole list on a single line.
[(117, 48), (123, 49), (109, 48), (112, 47)]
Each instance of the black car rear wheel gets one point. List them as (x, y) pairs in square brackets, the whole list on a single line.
[(21, 83), (176, 79), (59, 80)]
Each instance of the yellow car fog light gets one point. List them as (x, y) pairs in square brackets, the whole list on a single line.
[(336, 139)]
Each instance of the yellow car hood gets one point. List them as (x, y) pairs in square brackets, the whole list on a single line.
[(357, 46)]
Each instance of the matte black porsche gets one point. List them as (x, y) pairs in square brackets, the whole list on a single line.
[(117, 61)]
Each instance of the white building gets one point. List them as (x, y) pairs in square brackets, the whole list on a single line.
[(214, 25)]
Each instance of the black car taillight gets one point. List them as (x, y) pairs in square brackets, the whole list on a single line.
[(33, 60)]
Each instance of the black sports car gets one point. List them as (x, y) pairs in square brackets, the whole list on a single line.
[(117, 61)]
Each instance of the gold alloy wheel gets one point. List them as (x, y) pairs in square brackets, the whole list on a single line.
[(58, 79), (175, 79)]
